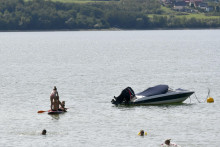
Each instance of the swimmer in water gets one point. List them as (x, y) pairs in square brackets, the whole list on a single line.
[(44, 132), (141, 133), (168, 143)]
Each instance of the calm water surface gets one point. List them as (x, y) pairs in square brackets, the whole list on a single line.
[(89, 68)]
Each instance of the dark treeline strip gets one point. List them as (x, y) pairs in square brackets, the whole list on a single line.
[(124, 14)]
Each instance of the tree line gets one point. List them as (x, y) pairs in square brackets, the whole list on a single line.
[(123, 14)]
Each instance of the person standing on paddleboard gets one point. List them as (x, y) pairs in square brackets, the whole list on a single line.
[(54, 99)]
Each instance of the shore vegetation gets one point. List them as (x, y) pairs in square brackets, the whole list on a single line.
[(100, 14)]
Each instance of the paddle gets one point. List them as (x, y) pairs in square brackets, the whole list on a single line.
[(41, 111)]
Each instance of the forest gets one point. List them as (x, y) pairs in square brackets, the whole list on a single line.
[(120, 14)]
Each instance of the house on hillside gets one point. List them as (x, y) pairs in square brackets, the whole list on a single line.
[(195, 3), (180, 5), (209, 8), (202, 6)]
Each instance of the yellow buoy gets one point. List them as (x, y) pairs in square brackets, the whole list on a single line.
[(210, 100)]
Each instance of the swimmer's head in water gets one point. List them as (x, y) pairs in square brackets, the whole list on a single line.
[(141, 132), (44, 132), (167, 142)]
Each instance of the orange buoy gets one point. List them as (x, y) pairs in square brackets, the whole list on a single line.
[(210, 100)]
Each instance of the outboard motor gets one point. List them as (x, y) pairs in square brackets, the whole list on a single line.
[(126, 95)]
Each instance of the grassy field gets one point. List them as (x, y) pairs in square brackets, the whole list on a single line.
[(77, 1), (168, 12), (188, 16), (199, 16), (72, 1)]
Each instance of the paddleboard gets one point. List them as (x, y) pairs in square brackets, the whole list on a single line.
[(55, 112), (171, 144)]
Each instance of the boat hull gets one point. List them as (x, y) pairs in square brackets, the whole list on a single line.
[(174, 97)]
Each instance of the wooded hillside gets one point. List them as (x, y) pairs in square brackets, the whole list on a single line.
[(124, 14)]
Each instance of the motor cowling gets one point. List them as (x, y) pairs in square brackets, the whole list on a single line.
[(126, 95)]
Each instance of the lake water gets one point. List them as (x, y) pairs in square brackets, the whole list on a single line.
[(89, 68)]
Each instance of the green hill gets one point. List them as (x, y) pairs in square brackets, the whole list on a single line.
[(80, 14)]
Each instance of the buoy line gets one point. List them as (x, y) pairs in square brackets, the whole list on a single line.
[(208, 99)]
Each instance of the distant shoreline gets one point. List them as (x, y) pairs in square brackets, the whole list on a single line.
[(43, 15), (111, 29)]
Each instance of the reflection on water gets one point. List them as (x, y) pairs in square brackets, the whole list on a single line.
[(55, 116)]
